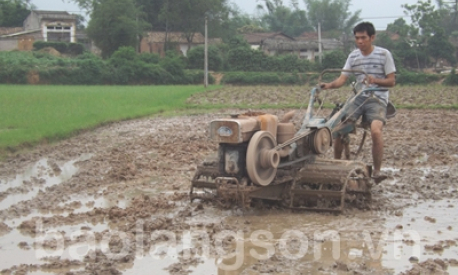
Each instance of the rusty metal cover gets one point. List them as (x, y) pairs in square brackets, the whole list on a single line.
[(233, 130)]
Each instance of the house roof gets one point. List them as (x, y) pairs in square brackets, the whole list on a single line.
[(278, 45), (307, 36), (20, 33), (174, 37), (259, 37), (62, 15), (10, 30)]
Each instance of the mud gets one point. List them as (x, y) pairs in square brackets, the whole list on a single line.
[(115, 201)]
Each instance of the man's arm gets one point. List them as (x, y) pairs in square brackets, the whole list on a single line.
[(389, 81), (337, 83)]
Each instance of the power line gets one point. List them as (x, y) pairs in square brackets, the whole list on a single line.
[(387, 17)]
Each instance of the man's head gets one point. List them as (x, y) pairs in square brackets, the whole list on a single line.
[(364, 36), (366, 27)]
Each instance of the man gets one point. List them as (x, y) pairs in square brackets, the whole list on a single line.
[(378, 64)]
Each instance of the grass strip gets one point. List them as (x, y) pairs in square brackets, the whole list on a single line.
[(30, 114)]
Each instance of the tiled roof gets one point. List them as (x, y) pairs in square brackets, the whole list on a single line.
[(7, 30), (54, 14), (258, 37), (174, 37)]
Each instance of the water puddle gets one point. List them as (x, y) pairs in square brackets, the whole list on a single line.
[(12, 254), (42, 171), (290, 243), (420, 228)]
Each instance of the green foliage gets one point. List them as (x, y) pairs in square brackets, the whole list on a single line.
[(246, 59), (280, 18), (75, 48), (150, 58), (196, 58), (13, 12), (175, 65), (62, 47), (59, 46), (197, 77), (404, 77), (113, 25), (124, 67), (440, 47), (127, 68), (451, 79), (334, 59), (188, 16), (257, 78), (333, 14)]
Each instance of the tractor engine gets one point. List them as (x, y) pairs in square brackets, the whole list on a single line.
[(234, 134)]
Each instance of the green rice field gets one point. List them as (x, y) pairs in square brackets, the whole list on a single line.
[(30, 114)]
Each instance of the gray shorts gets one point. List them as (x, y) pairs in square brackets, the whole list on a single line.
[(371, 108)]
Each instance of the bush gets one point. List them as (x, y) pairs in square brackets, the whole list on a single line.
[(150, 58), (62, 47), (406, 77), (197, 77), (451, 79), (246, 59), (175, 66), (334, 59), (75, 48), (196, 58), (257, 78)]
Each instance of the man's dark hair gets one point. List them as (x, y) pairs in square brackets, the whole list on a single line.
[(364, 27)]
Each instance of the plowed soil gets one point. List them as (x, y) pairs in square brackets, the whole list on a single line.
[(115, 201)]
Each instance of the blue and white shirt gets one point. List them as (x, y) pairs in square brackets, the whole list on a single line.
[(379, 63)]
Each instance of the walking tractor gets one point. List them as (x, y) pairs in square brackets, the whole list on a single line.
[(263, 157)]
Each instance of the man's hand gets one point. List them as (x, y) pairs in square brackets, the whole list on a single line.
[(369, 80), (325, 86), (389, 81)]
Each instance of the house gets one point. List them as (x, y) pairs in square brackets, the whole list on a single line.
[(308, 45), (257, 40), (154, 42), (305, 46), (40, 26), (52, 25)]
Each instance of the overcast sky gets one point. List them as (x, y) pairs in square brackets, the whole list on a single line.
[(379, 12)]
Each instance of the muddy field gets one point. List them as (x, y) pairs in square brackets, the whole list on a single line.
[(115, 201)]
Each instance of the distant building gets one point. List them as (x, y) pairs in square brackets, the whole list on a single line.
[(154, 42), (42, 26), (304, 46), (52, 25), (257, 39)]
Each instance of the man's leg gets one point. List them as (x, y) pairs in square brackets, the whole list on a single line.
[(377, 146), (338, 148)]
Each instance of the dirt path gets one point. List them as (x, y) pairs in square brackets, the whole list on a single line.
[(115, 201)]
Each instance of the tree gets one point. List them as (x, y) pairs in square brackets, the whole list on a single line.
[(113, 24), (440, 47), (14, 12), (237, 22), (332, 14), (188, 16), (279, 18), (80, 22), (431, 29), (399, 26), (425, 18)]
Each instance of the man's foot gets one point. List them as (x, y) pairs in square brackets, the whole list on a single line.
[(378, 177)]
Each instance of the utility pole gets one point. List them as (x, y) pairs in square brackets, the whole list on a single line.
[(319, 43), (206, 56)]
